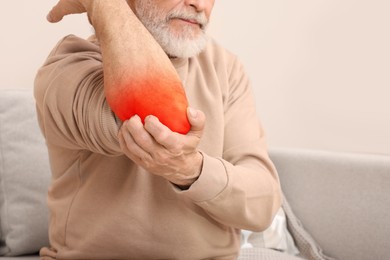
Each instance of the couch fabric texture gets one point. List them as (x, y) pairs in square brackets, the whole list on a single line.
[(343, 199), (24, 175)]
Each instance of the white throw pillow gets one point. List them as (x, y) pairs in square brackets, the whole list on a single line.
[(24, 175), (276, 237)]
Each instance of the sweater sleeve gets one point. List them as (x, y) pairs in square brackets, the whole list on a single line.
[(71, 105), (242, 188)]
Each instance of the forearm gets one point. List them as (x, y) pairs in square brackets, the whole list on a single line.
[(139, 78), (124, 41)]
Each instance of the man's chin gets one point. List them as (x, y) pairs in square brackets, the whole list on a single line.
[(186, 48), (179, 41)]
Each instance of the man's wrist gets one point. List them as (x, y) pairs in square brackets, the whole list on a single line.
[(185, 182), (185, 185), (101, 14)]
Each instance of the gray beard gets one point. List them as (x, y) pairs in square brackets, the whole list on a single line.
[(183, 45)]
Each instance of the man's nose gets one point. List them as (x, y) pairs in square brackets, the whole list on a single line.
[(198, 5)]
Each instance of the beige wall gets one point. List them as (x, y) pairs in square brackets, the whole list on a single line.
[(26, 38), (320, 69)]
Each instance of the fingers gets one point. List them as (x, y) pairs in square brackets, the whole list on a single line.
[(156, 148), (132, 149), (175, 142), (153, 135), (127, 145), (161, 133), (137, 135), (64, 7), (53, 16)]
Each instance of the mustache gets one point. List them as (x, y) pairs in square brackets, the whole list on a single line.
[(200, 18)]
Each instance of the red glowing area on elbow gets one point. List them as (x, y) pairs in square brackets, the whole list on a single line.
[(158, 96)]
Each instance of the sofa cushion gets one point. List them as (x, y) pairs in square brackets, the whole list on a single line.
[(24, 175), (342, 199)]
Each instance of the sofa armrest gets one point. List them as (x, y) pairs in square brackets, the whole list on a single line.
[(342, 199)]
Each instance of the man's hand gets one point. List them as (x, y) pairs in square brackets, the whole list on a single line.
[(162, 152), (66, 7)]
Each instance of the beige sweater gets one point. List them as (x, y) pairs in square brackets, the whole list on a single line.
[(103, 206)]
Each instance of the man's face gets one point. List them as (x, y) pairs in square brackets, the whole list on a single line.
[(177, 25)]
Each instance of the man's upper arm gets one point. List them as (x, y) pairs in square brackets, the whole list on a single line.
[(69, 89)]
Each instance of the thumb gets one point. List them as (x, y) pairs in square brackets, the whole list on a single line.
[(53, 16), (63, 8), (197, 121)]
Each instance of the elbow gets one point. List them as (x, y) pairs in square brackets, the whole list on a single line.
[(263, 216)]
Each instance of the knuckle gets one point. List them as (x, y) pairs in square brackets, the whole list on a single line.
[(177, 149), (162, 136)]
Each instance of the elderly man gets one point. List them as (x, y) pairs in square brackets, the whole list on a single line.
[(135, 189)]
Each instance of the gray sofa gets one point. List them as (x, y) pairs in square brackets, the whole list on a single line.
[(342, 199), (337, 204)]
